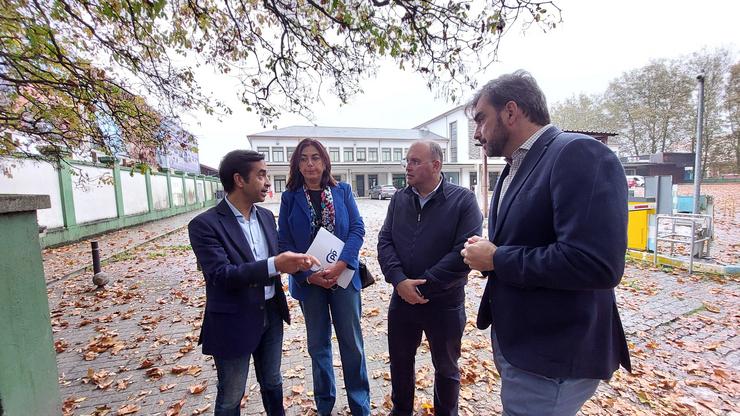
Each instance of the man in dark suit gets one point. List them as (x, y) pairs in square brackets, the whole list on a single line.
[(236, 246), (427, 224), (557, 238)]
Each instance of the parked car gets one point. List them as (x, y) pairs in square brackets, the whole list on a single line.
[(382, 191), (635, 180)]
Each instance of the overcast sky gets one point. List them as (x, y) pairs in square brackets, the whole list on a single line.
[(597, 41)]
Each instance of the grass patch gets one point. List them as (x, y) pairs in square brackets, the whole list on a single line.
[(125, 256), (694, 311), (155, 254)]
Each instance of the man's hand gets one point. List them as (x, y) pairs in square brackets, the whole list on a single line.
[(290, 262), (478, 254), (409, 292)]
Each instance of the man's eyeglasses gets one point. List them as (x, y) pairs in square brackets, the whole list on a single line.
[(413, 162)]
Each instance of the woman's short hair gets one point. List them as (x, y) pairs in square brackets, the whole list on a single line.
[(295, 178), (237, 161)]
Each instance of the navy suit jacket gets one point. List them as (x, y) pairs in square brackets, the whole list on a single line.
[(561, 236), (235, 281), (295, 231)]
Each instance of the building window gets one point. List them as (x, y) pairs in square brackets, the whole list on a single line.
[(279, 183), (337, 178), (372, 180), (492, 177), (349, 154), (361, 154), (453, 142), (291, 150), (399, 180), (334, 154), (372, 154), (386, 154), (265, 152), (277, 154), (397, 154)]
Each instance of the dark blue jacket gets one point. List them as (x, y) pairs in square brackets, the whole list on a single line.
[(235, 282), (561, 234), (295, 231), (425, 243)]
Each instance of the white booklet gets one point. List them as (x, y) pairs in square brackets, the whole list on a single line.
[(327, 247)]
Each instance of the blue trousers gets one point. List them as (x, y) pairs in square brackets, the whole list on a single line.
[(443, 325), (524, 393), (232, 372), (341, 307)]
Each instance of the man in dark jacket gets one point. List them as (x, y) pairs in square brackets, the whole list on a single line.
[(427, 224), (557, 234), (236, 245)]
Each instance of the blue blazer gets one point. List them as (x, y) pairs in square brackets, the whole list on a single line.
[(235, 294), (294, 232), (561, 236)]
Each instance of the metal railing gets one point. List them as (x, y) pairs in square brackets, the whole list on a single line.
[(694, 230)]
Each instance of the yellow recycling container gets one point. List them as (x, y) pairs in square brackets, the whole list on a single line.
[(638, 224)]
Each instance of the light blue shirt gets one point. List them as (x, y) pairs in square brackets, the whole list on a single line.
[(424, 199), (257, 242)]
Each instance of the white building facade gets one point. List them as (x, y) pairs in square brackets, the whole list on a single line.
[(463, 152), (366, 157), (363, 157)]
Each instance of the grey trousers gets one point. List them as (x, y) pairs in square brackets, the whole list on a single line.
[(524, 393)]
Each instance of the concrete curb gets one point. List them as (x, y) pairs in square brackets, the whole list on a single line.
[(727, 270)]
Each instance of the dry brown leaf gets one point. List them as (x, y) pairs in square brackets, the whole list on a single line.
[(146, 363), (128, 409), (179, 369), (174, 408), (201, 410), (198, 388), (710, 307), (194, 370), (155, 373), (165, 387)]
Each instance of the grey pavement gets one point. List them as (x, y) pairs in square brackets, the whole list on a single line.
[(682, 331)]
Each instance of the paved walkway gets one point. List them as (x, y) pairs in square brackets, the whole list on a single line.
[(131, 348)]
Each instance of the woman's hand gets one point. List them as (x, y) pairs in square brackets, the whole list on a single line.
[(336, 269), (319, 279)]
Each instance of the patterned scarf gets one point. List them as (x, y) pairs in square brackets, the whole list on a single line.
[(326, 219)]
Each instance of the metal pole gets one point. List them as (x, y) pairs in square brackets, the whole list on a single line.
[(697, 158), (485, 184), (95, 257)]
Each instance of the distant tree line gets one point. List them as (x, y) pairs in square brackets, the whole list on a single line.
[(654, 109)]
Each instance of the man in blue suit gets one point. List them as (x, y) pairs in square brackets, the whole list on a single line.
[(557, 238), (236, 246)]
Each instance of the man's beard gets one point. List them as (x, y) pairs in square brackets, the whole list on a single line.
[(495, 145)]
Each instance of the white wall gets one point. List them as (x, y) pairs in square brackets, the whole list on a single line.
[(94, 198), (159, 192), (441, 126), (134, 193), (178, 194), (31, 177), (199, 189), (190, 190)]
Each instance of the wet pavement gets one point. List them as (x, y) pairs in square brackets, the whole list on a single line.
[(130, 348)]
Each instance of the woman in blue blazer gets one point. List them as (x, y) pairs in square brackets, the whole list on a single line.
[(313, 199)]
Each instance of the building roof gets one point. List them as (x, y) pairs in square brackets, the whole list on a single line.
[(321, 132), (437, 117)]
